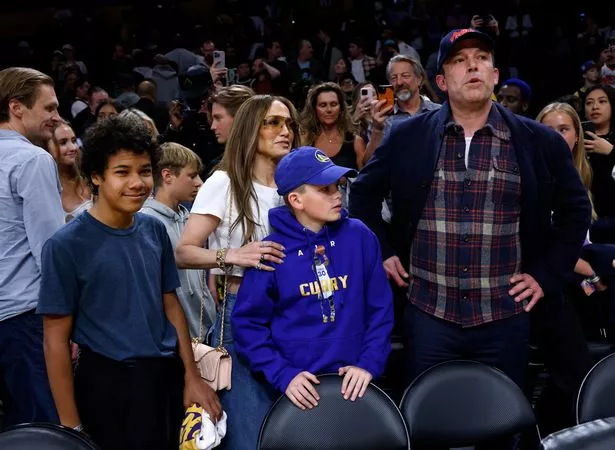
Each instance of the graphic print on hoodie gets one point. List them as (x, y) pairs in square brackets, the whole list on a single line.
[(279, 321)]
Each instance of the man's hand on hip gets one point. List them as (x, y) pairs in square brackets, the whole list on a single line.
[(526, 288)]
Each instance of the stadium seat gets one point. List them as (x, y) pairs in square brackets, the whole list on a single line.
[(597, 394), (372, 422), (595, 435), (43, 436), (465, 403)]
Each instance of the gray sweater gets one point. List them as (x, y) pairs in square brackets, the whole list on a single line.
[(193, 288)]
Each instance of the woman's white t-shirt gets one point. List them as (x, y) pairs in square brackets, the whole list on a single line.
[(213, 199)]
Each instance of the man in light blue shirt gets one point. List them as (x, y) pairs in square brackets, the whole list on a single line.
[(31, 211)]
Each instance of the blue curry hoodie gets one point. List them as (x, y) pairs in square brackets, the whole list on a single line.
[(278, 321)]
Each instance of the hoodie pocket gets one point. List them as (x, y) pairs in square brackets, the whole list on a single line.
[(319, 355)]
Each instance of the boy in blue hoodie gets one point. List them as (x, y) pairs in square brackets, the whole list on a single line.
[(328, 307)]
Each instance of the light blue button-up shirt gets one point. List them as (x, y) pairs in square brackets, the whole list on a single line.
[(30, 212)]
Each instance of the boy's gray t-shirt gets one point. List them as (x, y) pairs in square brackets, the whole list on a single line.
[(30, 212)]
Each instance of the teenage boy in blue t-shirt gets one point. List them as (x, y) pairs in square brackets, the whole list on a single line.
[(108, 283), (329, 307)]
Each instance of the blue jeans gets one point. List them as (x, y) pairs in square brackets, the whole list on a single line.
[(250, 397), (22, 364)]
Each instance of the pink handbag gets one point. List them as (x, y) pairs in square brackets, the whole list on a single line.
[(214, 364)]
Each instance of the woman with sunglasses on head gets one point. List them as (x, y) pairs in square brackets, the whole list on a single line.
[(264, 130)]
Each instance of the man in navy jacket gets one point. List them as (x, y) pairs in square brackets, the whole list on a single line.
[(488, 216)]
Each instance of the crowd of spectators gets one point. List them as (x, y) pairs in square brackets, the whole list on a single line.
[(226, 95)]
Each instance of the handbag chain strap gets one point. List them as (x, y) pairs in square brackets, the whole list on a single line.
[(227, 269)]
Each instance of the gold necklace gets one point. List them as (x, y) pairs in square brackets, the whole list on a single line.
[(329, 139)]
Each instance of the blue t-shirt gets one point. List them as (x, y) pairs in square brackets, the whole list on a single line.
[(112, 282)]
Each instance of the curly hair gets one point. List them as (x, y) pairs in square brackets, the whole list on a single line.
[(108, 137), (309, 118)]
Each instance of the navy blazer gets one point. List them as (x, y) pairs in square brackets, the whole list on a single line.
[(555, 209)]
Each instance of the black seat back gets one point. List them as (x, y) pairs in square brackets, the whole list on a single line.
[(370, 423), (596, 399), (464, 403), (44, 436)]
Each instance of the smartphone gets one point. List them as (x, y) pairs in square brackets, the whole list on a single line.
[(386, 92), (588, 126), (369, 93), (219, 59)]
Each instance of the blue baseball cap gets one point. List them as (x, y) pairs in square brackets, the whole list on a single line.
[(586, 66), (455, 36), (307, 165), (524, 88)]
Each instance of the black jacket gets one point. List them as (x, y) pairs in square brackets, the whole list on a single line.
[(555, 209)]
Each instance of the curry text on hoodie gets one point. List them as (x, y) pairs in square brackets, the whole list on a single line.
[(327, 306)]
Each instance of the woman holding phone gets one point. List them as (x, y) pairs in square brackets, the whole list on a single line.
[(598, 103), (362, 97)]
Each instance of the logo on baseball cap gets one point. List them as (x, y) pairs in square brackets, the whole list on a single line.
[(455, 36), (308, 165)]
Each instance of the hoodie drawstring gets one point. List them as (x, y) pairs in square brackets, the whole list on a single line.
[(324, 278), (333, 271)]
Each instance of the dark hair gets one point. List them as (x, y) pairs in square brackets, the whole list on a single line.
[(269, 42), (359, 42), (80, 82), (107, 137), (106, 102), (610, 94), (571, 99), (94, 89)]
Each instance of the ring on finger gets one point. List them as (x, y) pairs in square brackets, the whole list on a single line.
[(258, 266), (263, 259)]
